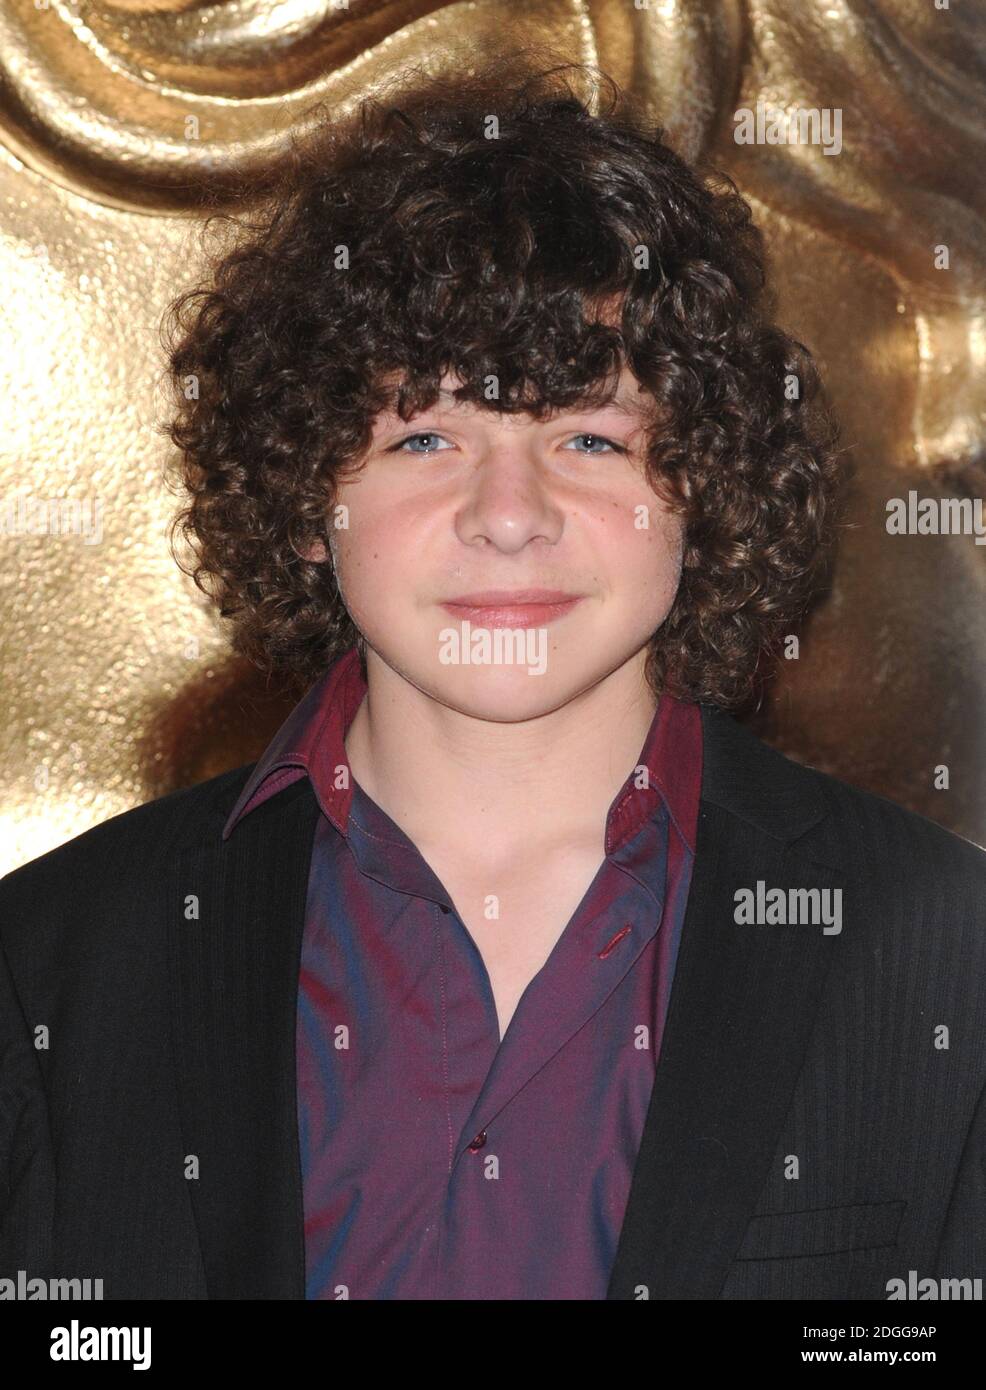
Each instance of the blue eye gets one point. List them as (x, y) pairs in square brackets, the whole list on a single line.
[(422, 434), (598, 439), (433, 434)]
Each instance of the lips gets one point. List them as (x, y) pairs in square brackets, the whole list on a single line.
[(512, 607), (494, 598)]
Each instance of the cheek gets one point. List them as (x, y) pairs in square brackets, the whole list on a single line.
[(667, 552), (650, 579), (644, 544), (370, 555)]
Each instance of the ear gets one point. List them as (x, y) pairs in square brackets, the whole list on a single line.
[(316, 552)]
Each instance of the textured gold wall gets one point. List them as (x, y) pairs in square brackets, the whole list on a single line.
[(117, 686)]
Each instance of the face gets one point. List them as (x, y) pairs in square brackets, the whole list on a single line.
[(501, 565)]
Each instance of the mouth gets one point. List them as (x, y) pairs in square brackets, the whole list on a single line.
[(512, 608)]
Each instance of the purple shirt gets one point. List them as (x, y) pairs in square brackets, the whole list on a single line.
[(438, 1161)]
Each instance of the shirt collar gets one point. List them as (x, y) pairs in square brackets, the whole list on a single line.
[(310, 743)]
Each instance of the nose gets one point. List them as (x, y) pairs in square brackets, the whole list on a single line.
[(509, 501)]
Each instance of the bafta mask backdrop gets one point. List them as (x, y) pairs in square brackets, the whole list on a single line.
[(855, 130)]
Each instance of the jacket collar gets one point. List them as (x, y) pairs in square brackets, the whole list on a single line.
[(740, 1016)]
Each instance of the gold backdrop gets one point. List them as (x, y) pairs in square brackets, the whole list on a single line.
[(117, 682)]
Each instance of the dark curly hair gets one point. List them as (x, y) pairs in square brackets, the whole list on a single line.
[(482, 225)]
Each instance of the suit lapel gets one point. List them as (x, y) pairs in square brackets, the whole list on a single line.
[(742, 1006), (235, 980)]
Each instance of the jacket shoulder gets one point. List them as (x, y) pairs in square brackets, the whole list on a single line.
[(129, 843), (868, 813), (788, 797), (898, 839)]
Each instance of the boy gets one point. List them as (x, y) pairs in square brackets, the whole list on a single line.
[(515, 967)]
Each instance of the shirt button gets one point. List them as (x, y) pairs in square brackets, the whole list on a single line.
[(445, 909), (478, 1142)]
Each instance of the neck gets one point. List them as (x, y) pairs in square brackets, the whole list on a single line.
[(449, 779)]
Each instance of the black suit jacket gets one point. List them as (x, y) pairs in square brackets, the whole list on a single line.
[(812, 1133)]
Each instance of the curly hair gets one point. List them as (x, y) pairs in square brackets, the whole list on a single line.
[(487, 225)]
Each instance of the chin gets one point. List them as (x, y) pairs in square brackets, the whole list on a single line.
[(507, 694), (505, 702)]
